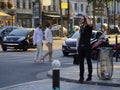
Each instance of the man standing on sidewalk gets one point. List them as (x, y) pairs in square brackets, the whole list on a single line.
[(84, 48), (38, 40), (49, 41)]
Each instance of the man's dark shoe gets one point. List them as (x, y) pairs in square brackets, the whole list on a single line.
[(89, 79), (81, 80)]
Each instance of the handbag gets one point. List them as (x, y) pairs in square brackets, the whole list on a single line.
[(76, 59)]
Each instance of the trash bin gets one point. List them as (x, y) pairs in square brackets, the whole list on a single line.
[(105, 63)]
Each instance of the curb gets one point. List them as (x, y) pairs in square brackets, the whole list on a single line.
[(59, 38), (90, 82)]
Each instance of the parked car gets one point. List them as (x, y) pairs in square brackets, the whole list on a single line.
[(5, 31), (102, 27), (76, 28), (69, 45), (114, 29), (57, 31), (21, 38)]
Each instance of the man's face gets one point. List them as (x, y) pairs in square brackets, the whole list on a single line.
[(50, 26), (40, 25), (82, 20)]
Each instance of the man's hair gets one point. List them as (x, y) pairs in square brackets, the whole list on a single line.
[(84, 18), (87, 19), (48, 24), (38, 24)]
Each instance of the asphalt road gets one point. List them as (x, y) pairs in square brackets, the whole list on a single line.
[(17, 66)]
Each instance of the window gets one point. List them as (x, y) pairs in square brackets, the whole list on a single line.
[(82, 8), (44, 7), (98, 20), (49, 9), (75, 6), (18, 3), (54, 8), (24, 4), (29, 4)]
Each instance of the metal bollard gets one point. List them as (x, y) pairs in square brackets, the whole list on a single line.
[(56, 74), (116, 47)]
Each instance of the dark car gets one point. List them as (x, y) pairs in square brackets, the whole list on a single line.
[(5, 31), (69, 45), (21, 38)]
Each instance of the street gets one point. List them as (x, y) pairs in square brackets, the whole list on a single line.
[(17, 66)]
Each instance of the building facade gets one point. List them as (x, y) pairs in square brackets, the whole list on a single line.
[(20, 13), (23, 12)]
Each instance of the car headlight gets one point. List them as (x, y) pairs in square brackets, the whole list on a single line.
[(4, 39), (64, 44), (21, 38)]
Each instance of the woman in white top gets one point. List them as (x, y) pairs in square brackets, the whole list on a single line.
[(37, 40), (49, 41)]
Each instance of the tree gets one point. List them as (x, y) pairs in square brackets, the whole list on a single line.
[(10, 4), (106, 3)]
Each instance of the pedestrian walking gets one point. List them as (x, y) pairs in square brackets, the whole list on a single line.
[(38, 41), (49, 41), (84, 48)]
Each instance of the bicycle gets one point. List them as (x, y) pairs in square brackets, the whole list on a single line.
[(115, 51), (105, 61)]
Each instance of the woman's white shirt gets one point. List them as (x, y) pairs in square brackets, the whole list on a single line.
[(48, 35)]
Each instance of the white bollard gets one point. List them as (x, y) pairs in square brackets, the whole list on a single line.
[(56, 74)]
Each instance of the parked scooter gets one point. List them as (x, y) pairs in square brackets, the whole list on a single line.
[(96, 43)]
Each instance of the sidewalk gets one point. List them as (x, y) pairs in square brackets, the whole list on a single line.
[(69, 81), (71, 74)]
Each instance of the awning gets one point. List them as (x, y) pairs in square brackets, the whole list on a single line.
[(3, 14), (53, 15)]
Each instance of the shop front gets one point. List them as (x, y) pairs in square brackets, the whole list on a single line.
[(24, 20), (5, 19)]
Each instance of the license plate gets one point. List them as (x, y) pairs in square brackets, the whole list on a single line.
[(73, 48)]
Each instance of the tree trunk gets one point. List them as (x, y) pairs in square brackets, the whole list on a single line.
[(94, 24), (107, 8)]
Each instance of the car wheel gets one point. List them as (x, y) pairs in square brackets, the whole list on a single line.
[(0, 40), (25, 48), (65, 53), (4, 48)]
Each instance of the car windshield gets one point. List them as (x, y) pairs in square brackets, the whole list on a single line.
[(95, 34), (75, 35), (19, 32), (2, 28)]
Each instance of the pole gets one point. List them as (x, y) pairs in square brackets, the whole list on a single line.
[(56, 79), (61, 18), (40, 10), (116, 47), (116, 31), (68, 16), (12, 20), (56, 74)]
